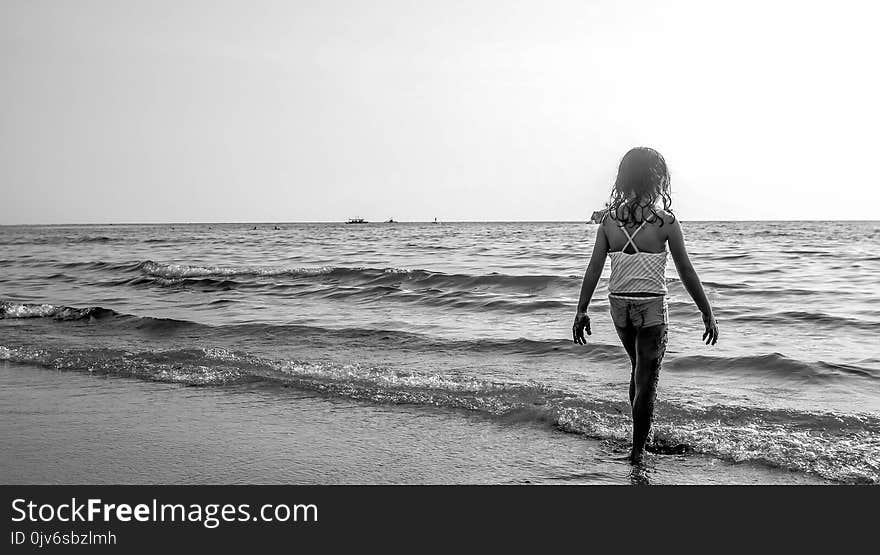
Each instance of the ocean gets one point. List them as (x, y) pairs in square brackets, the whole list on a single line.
[(426, 353)]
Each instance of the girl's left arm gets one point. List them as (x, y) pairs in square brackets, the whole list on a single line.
[(591, 279), (691, 281)]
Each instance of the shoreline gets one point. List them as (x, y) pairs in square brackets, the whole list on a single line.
[(70, 427)]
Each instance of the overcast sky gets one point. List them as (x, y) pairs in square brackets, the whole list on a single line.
[(157, 111)]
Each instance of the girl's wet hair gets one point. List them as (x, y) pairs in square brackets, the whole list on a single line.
[(642, 181)]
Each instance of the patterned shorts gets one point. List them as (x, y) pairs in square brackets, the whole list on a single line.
[(639, 312)]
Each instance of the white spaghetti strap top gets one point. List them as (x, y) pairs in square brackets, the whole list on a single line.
[(640, 272)]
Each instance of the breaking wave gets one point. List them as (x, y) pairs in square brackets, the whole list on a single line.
[(843, 448)]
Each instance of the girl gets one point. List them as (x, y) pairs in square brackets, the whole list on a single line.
[(634, 232)]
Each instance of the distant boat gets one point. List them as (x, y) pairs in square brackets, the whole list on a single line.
[(390, 221), (357, 221), (435, 221), (597, 216)]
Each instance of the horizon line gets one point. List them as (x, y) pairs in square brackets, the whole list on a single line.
[(300, 222)]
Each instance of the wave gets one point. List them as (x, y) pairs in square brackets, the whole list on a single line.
[(65, 239), (165, 240), (102, 266), (781, 292), (384, 338), (838, 447), (16, 311), (549, 291), (495, 291), (508, 293), (813, 318), (774, 365), (380, 291), (173, 272), (219, 277), (360, 275), (177, 271), (509, 282)]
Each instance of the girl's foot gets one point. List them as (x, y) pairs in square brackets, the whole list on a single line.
[(635, 457)]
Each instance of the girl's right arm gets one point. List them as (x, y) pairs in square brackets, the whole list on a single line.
[(588, 286), (691, 281)]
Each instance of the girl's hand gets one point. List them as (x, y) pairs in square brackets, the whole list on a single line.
[(710, 336), (581, 323)]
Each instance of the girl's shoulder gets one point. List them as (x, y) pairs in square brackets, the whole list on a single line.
[(666, 224), (665, 217)]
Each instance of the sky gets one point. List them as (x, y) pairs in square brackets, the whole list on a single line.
[(209, 111)]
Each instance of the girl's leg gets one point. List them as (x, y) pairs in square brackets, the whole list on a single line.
[(628, 338), (650, 348)]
